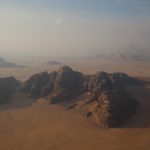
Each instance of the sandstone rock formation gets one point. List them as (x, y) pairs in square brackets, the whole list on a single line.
[(7, 87), (61, 85), (113, 105), (113, 108)]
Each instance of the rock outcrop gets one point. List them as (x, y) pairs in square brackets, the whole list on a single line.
[(113, 105), (7, 87), (113, 108), (57, 86)]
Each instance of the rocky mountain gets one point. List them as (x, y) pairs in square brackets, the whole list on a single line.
[(6, 64), (109, 103), (113, 108), (7, 87), (61, 85)]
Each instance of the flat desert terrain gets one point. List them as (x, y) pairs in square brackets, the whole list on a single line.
[(84, 65), (27, 124)]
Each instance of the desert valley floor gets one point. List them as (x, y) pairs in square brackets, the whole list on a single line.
[(26, 124)]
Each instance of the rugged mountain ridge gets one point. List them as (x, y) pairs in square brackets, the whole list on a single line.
[(57, 86), (112, 104)]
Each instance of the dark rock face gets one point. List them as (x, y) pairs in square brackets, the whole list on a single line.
[(7, 87), (67, 84), (61, 85), (113, 108), (98, 83), (113, 104), (124, 79), (35, 83)]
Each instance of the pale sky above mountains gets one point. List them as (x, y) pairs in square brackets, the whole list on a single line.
[(73, 27)]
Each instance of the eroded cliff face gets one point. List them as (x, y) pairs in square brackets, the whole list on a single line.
[(7, 87), (56, 86), (113, 108), (113, 105)]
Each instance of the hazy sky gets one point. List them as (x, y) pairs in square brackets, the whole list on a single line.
[(73, 27)]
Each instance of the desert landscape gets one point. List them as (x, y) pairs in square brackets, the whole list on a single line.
[(30, 123), (74, 75)]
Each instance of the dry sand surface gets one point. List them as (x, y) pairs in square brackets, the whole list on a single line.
[(29, 125)]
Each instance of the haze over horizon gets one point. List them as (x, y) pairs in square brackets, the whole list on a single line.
[(73, 28)]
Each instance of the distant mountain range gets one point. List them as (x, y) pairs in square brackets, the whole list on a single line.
[(126, 56), (5, 64)]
